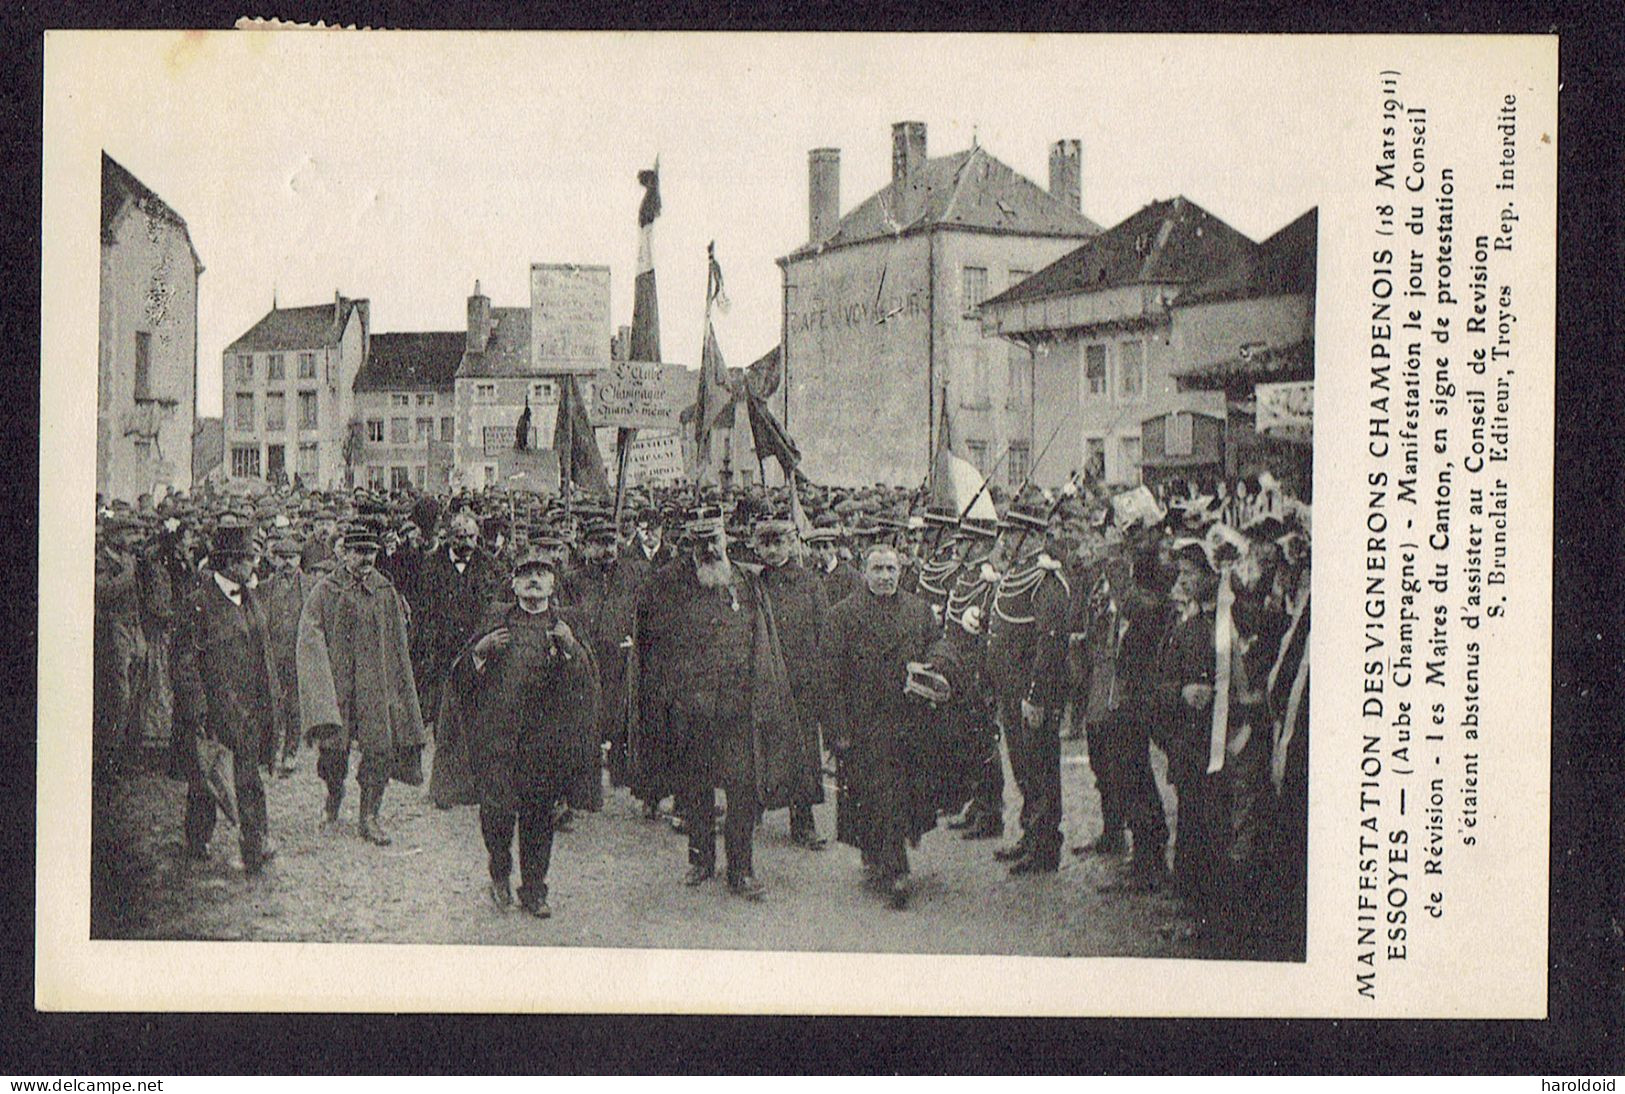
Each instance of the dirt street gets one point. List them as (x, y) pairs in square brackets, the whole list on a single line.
[(615, 881)]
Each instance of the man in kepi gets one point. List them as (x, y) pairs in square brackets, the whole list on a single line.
[(227, 689), (355, 679), (527, 696), (712, 679), (799, 608), (874, 658)]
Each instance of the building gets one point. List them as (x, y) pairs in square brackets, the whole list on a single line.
[(288, 394), (1249, 334), (146, 391), (208, 451), (1099, 324), (880, 307), (493, 384), (406, 408)]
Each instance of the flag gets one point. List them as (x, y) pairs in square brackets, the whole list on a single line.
[(769, 436), (956, 485), (763, 376), (521, 431), (645, 307), (580, 463), (797, 513), (715, 399)]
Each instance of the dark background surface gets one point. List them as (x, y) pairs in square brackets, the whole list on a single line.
[(1587, 986)]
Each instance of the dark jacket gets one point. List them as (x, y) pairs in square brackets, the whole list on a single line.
[(1027, 628), (226, 684), (450, 606), (886, 764)]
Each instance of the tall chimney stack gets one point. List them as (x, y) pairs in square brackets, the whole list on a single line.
[(479, 320), (823, 193), (907, 149), (1066, 173)]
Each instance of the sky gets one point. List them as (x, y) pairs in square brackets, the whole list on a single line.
[(401, 167)]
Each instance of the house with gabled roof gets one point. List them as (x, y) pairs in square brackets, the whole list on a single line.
[(880, 322), (1099, 323), (406, 410), (146, 391), (288, 393)]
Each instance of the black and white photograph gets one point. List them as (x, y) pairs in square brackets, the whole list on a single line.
[(684, 512), (797, 523)]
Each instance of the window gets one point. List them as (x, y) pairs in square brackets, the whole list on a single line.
[(143, 449), (448, 429), (426, 399), (544, 391), (400, 400), (1020, 461), (1179, 434), (245, 368), (421, 474), (399, 478), (143, 365), (400, 431), (307, 366), (275, 462), (276, 411), (375, 477), (244, 419), (975, 289), (978, 454), (309, 460), (1018, 388), (488, 473), (1129, 450), (1094, 458), (1018, 276), (425, 431), (307, 410), (485, 393), (1094, 372), (245, 461), (273, 367), (1131, 370), (375, 430)]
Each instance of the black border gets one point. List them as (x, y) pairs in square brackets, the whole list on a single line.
[(1587, 985)]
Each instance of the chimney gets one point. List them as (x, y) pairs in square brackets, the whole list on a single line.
[(479, 320), (907, 149), (1066, 173), (338, 308), (823, 193)]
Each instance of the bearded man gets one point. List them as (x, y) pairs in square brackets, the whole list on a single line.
[(873, 641), (712, 685), (455, 586)]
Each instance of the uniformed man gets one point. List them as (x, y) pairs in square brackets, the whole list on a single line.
[(1027, 630), (938, 572), (355, 679), (840, 579), (974, 772)]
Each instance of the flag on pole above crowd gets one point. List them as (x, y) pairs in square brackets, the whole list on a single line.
[(580, 462), (645, 344), (956, 485), (715, 398), (521, 430)]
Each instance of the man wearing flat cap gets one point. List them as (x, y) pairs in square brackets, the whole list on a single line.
[(355, 679), (227, 689), (839, 576), (606, 587), (716, 704), (519, 727)]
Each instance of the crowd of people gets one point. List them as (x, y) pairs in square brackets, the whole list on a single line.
[(746, 640)]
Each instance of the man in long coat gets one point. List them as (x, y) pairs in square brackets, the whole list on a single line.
[(524, 700), (800, 605), (455, 585), (881, 734), (227, 689), (284, 597), (355, 679), (712, 685), (606, 587)]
